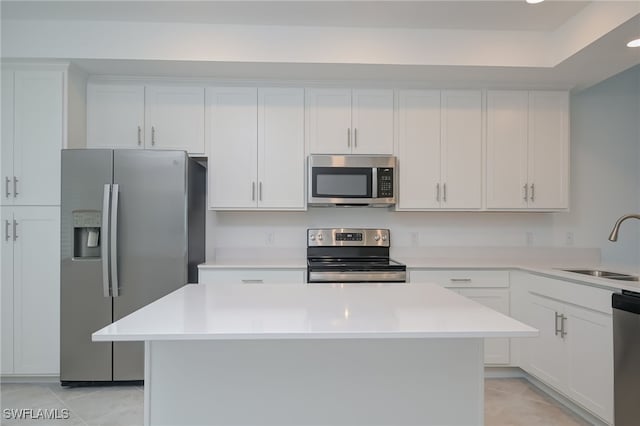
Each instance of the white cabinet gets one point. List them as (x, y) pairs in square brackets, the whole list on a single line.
[(256, 141), (574, 351), (30, 237), (440, 149), (345, 121), (251, 276), (152, 117), (115, 116), (527, 150), (174, 118), (487, 287), (33, 126)]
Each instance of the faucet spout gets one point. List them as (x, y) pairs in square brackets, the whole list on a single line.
[(614, 232)]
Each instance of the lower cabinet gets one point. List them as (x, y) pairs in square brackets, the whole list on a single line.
[(574, 352), (30, 253), (251, 276), (487, 287)]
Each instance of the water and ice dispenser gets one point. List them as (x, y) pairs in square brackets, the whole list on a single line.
[(86, 233)]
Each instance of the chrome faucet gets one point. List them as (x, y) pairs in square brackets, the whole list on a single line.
[(614, 232)]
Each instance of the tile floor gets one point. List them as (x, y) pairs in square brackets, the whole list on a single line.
[(510, 402)]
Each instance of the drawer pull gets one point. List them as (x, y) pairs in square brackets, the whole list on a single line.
[(252, 281), (460, 280)]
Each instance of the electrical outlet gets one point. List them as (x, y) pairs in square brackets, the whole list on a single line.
[(270, 238), (569, 239), (415, 239), (529, 239)]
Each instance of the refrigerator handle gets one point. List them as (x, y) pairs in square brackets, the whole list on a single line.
[(115, 290), (104, 250)]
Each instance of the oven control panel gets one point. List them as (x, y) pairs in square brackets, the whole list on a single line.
[(348, 237)]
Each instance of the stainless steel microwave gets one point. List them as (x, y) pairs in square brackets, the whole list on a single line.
[(352, 180)]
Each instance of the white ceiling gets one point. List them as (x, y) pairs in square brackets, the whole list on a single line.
[(555, 44), (471, 15)]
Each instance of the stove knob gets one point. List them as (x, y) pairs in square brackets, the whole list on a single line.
[(312, 237), (319, 237), (377, 237), (384, 238)]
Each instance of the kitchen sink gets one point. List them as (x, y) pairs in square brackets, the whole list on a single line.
[(604, 274)]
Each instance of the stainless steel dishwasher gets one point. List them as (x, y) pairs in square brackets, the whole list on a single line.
[(626, 355)]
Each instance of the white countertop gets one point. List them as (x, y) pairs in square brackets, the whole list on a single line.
[(315, 311), (256, 263)]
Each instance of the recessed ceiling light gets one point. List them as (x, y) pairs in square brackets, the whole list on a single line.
[(634, 43), (534, 1)]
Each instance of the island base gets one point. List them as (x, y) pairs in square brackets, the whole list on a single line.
[(315, 382)]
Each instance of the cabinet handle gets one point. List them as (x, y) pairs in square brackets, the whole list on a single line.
[(15, 187), (557, 330), (252, 281), (253, 191), (562, 320), (533, 192), (437, 192), (139, 135), (153, 135), (355, 138), (260, 191), (7, 237), (7, 181), (460, 280), (526, 192), (444, 192), (349, 137), (15, 230)]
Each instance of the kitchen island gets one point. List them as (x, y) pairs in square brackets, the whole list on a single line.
[(323, 354)]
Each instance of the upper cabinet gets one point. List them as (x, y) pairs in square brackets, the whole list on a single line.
[(527, 150), (440, 149), (345, 121), (33, 132), (256, 146), (152, 117)]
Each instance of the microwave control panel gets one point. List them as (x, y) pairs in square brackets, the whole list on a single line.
[(385, 182)]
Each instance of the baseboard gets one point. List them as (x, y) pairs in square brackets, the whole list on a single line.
[(29, 379), (516, 372)]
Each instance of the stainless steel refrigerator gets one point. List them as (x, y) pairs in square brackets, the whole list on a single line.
[(132, 231)]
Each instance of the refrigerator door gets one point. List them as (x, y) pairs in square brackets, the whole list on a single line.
[(84, 308), (151, 239)]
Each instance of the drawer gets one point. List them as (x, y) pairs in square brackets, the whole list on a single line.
[(460, 278), (252, 276)]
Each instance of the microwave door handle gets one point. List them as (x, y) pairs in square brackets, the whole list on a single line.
[(374, 182)]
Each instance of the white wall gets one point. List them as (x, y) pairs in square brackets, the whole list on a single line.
[(605, 176), (605, 155)]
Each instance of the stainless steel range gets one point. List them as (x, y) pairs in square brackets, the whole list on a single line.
[(351, 255)]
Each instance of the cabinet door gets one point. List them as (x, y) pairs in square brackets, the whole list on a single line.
[(329, 121), (461, 149), (281, 148), (419, 149), (232, 138), (506, 149), (496, 350), (6, 149), (548, 150), (37, 290), (372, 121), (38, 136), (545, 355), (6, 287), (115, 116), (590, 360), (174, 118)]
